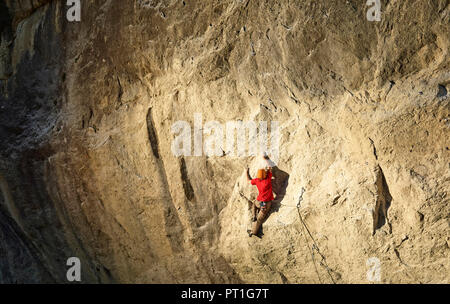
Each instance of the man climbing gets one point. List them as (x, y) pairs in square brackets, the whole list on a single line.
[(261, 208)]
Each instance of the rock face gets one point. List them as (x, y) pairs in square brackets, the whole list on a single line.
[(86, 161)]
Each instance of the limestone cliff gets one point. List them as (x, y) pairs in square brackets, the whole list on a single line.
[(87, 169)]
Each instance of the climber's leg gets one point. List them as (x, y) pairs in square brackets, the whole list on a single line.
[(262, 214), (255, 227), (253, 212)]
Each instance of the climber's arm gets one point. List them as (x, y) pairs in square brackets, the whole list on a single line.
[(268, 162), (249, 178)]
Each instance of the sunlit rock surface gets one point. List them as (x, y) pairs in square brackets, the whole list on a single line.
[(87, 170)]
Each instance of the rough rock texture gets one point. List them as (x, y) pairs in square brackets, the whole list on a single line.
[(86, 167)]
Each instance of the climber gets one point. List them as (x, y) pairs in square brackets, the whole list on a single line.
[(263, 182)]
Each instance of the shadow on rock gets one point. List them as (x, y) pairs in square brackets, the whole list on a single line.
[(279, 186)]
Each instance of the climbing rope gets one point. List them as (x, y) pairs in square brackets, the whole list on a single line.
[(312, 252), (314, 246), (323, 262)]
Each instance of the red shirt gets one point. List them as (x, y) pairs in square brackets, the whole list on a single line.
[(264, 187)]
